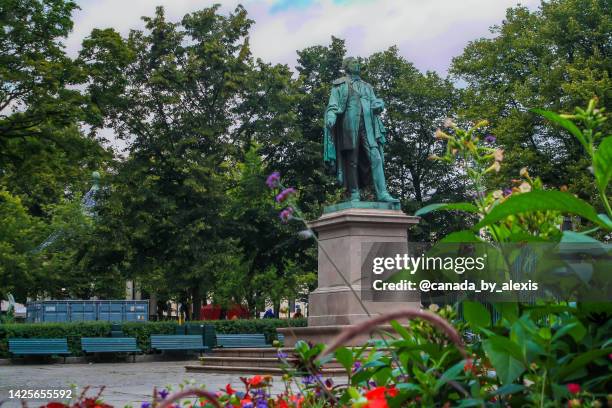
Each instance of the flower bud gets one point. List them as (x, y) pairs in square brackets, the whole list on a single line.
[(498, 155), (494, 167), (441, 135)]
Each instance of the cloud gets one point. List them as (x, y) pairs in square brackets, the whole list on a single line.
[(428, 33)]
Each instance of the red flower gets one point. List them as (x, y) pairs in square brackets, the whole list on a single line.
[(469, 367), (256, 380), (55, 405), (297, 400), (376, 393), (377, 397), (229, 390), (246, 400), (573, 388)]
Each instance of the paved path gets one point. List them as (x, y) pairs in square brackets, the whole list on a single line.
[(126, 383)]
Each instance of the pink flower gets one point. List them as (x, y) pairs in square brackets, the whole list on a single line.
[(286, 214), (273, 179), (573, 388), (283, 195)]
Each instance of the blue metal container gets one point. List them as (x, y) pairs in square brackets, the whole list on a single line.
[(87, 310)]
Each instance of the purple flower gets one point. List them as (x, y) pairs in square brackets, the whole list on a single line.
[(163, 394), (259, 393), (310, 379), (283, 195), (262, 403), (490, 139), (356, 366), (329, 383), (145, 405), (280, 354), (286, 214), (247, 405), (273, 179), (507, 192)]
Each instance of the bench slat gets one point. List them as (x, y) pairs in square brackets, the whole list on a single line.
[(242, 340), (109, 344), (177, 342), (38, 346)]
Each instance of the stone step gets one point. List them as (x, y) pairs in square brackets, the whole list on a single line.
[(241, 361), (249, 352), (253, 361), (251, 370)]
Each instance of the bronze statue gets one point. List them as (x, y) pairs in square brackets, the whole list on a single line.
[(354, 135)]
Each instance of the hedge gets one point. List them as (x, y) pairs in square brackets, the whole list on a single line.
[(73, 331)]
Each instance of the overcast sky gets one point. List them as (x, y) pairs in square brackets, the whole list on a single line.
[(428, 32)]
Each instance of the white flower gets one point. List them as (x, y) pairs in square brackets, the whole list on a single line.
[(524, 172), (497, 194), (525, 187)]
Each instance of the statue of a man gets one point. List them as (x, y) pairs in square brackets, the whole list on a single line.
[(354, 134)]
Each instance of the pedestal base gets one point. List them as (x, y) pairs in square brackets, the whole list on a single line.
[(318, 334), (344, 239), (345, 232)]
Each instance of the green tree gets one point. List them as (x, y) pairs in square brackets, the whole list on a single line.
[(18, 237), (270, 266), (170, 91), (42, 152), (556, 57)]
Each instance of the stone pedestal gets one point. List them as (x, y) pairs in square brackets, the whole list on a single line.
[(344, 234)]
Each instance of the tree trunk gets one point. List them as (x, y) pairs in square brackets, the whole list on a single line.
[(197, 303)]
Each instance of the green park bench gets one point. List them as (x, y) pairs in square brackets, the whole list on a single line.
[(110, 345), (39, 347), (242, 340), (178, 342)]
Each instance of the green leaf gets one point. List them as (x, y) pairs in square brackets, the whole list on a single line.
[(508, 310), (504, 354), (345, 357), (476, 314), (508, 389), (461, 236), (602, 163), (543, 201), (400, 329), (582, 360), (575, 329), (449, 375), (468, 207), (576, 237), (566, 123)]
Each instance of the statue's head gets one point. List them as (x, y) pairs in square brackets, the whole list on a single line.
[(351, 66)]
